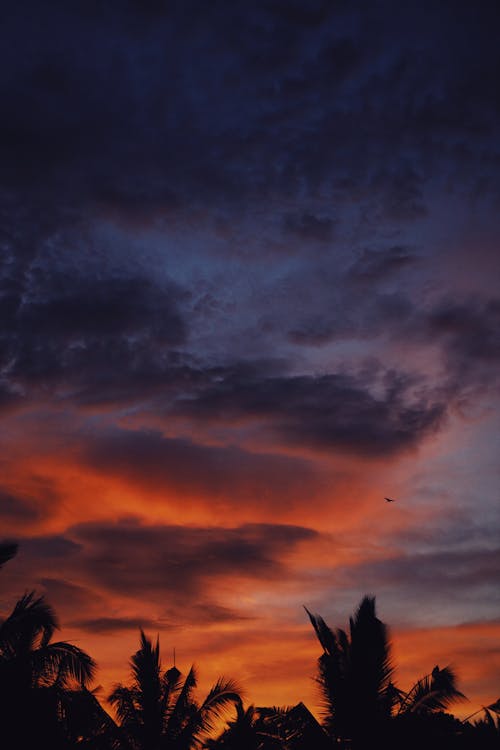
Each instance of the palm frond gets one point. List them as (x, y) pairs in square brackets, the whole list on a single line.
[(31, 622), (124, 700), (325, 636), (243, 716), (392, 698), (370, 646), (145, 663), (434, 692), (494, 707), (489, 719), (184, 706), (172, 684), (62, 663), (223, 695), (146, 671), (354, 671)]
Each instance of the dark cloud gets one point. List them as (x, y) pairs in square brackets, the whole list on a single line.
[(130, 558), (210, 612), (456, 529), (70, 310), (326, 412), (49, 564), (452, 579), (37, 501), (285, 99), (66, 596), (307, 227), (374, 265), (205, 613), (194, 109), (92, 338), (53, 548), (402, 193), (369, 299), (314, 330), (103, 625), (178, 563), (10, 398), (18, 509), (450, 573), (226, 474), (470, 331)]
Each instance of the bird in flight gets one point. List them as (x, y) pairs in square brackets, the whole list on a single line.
[(389, 499)]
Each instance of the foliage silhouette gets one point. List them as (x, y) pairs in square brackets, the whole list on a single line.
[(37, 674), (158, 709), (45, 700), (245, 732), (285, 728), (355, 675)]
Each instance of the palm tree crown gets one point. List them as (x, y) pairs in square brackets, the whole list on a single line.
[(158, 709), (355, 671), (35, 672), (355, 678), (27, 653)]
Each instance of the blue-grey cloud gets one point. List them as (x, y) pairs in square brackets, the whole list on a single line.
[(327, 412)]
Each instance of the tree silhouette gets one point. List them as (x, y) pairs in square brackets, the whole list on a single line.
[(247, 731), (355, 673), (361, 705), (87, 725), (485, 732), (45, 700), (36, 674), (273, 728), (158, 709)]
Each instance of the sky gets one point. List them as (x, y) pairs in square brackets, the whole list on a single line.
[(249, 263)]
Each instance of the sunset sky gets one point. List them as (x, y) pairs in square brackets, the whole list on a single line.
[(249, 286)]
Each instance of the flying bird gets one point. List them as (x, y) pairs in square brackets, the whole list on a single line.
[(389, 499)]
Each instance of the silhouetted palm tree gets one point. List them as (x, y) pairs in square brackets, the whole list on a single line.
[(359, 698), (355, 673), (158, 709), (35, 674)]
